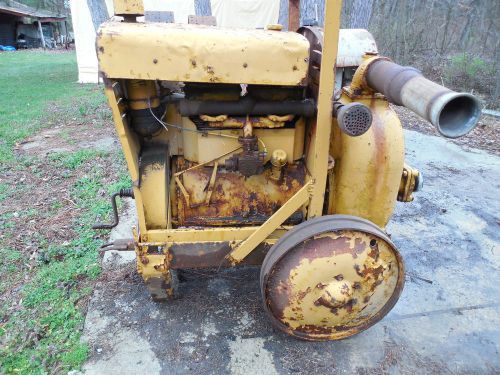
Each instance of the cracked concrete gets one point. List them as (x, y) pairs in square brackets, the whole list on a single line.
[(446, 321)]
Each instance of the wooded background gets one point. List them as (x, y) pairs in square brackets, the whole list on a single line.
[(456, 42)]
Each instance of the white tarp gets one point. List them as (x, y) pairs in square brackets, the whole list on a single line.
[(85, 33), (250, 14)]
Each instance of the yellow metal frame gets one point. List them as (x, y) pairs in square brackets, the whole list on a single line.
[(244, 239), (196, 53), (318, 166)]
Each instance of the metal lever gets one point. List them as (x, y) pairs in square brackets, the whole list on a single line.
[(123, 193)]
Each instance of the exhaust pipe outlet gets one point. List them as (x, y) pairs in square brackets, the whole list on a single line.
[(453, 114)]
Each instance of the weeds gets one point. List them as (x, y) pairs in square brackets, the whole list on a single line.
[(3, 191), (74, 160), (471, 73), (44, 290)]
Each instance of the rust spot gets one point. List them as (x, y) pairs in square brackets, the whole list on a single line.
[(101, 49), (155, 61), (245, 65), (302, 294), (374, 252), (193, 63), (375, 284), (349, 305), (345, 290), (295, 68), (237, 200), (339, 277), (358, 270), (321, 286)]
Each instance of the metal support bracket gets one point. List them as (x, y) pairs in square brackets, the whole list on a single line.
[(278, 218), (411, 182)]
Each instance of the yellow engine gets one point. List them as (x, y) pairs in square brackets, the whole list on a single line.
[(274, 148)]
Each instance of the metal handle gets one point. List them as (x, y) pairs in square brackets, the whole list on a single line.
[(129, 193)]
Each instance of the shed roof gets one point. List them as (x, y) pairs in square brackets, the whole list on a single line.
[(21, 10)]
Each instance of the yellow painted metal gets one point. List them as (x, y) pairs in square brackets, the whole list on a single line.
[(153, 267), (154, 188), (194, 53), (283, 139), (358, 83), (334, 285), (368, 168), (128, 140), (318, 163), (278, 161), (223, 234), (203, 147), (270, 121), (278, 218), (157, 276), (128, 7), (142, 94), (408, 184)]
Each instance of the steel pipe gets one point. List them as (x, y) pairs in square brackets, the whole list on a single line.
[(453, 114)]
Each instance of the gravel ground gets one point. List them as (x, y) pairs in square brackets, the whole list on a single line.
[(447, 320), (485, 136)]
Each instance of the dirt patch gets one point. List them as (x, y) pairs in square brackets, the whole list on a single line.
[(39, 213), (485, 136), (70, 138)]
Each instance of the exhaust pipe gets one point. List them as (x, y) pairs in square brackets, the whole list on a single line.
[(453, 114)]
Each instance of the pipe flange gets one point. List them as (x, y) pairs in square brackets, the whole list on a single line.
[(359, 83)]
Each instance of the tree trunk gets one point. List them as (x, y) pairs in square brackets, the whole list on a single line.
[(40, 31), (98, 12), (202, 7), (293, 15), (361, 14)]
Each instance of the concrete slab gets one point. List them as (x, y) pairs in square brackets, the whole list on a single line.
[(447, 320)]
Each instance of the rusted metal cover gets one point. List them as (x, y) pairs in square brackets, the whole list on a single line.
[(236, 200), (197, 53), (353, 45), (331, 277)]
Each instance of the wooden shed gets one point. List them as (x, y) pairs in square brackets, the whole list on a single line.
[(35, 25)]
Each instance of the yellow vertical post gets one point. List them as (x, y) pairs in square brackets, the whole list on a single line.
[(322, 133)]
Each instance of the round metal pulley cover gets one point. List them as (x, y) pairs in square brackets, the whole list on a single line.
[(331, 277)]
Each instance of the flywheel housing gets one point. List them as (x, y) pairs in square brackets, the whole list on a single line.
[(331, 277)]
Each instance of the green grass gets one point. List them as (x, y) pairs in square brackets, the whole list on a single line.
[(52, 293), (3, 191), (43, 335), (30, 82), (74, 160)]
